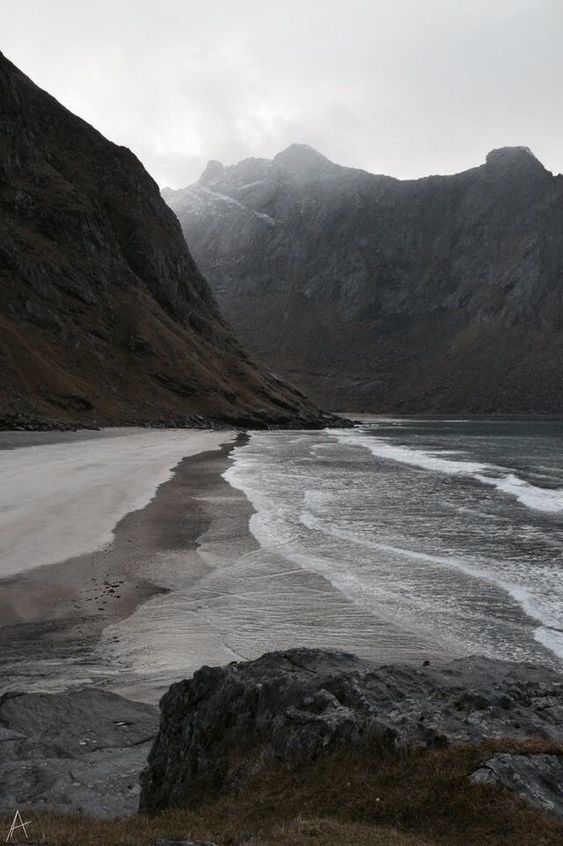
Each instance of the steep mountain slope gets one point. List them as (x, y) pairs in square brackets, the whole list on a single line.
[(104, 316), (436, 294)]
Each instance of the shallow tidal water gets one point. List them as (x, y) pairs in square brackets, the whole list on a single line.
[(451, 529), (401, 541)]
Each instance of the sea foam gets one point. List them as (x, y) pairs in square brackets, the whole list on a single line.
[(549, 500)]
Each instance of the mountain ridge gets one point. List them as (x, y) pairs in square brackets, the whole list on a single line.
[(392, 295)]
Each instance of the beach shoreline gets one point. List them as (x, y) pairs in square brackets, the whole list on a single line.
[(53, 615), (231, 599), (184, 583)]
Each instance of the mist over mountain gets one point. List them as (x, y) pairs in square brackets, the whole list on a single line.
[(437, 294), (104, 315)]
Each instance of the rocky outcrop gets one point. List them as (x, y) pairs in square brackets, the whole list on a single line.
[(83, 750), (104, 315), (75, 751), (220, 726), (536, 778), (437, 294)]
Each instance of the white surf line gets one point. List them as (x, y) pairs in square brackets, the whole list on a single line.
[(549, 500), (548, 632), (61, 500)]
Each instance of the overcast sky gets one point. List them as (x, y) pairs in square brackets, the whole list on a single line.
[(403, 87)]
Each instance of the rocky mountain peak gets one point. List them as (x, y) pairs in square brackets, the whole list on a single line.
[(212, 170), (303, 161), (514, 158)]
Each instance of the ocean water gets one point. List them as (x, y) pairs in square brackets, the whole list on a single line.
[(449, 529)]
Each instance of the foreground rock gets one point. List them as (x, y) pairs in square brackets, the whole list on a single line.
[(536, 778), (218, 727), (76, 751)]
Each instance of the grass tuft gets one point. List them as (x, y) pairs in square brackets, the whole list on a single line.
[(371, 795)]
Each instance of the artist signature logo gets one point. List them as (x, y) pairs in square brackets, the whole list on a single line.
[(17, 824)]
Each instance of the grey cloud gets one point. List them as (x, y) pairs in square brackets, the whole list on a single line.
[(405, 87)]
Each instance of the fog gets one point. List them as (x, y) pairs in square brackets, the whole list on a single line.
[(404, 87)]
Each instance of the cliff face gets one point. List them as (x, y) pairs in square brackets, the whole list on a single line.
[(438, 294), (104, 315)]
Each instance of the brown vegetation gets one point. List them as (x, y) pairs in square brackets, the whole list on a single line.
[(417, 797)]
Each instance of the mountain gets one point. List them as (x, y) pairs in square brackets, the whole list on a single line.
[(441, 294), (104, 315)]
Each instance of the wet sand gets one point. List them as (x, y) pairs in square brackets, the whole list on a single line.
[(52, 616), (184, 583), (229, 599)]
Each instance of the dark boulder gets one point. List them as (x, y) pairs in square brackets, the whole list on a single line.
[(536, 778), (218, 727)]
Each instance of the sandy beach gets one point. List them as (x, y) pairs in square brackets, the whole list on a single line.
[(175, 582), (63, 499), (76, 525)]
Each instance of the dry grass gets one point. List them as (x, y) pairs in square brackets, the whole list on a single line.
[(373, 796)]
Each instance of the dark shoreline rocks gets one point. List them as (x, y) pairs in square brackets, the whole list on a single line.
[(81, 750), (217, 728), (22, 423), (537, 778)]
